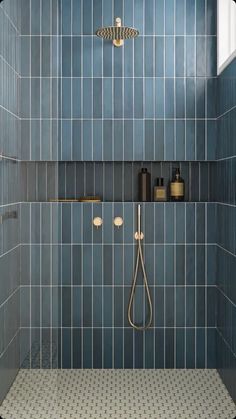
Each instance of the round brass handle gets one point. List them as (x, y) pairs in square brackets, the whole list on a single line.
[(97, 222), (118, 221)]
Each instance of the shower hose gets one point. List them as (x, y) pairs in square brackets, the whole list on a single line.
[(140, 259)]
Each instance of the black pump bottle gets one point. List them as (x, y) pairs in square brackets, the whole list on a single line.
[(144, 186)]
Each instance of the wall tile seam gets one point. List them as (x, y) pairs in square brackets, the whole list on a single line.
[(9, 65), (225, 113), (113, 327), (10, 296), (93, 35), (11, 113), (17, 30), (226, 343), (59, 286), (82, 244), (9, 344), (226, 250), (10, 250), (226, 296)]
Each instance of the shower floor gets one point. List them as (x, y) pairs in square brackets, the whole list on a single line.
[(145, 394)]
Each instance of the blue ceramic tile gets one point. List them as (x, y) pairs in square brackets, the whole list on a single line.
[(76, 339), (87, 306), (139, 16), (190, 140), (76, 17), (118, 94), (180, 348), (191, 345), (66, 17), (190, 307), (118, 143), (118, 62), (35, 18), (200, 17), (107, 143), (87, 56), (169, 140), (128, 57), (87, 348), (97, 348), (190, 264), (97, 308), (107, 263), (159, 56), (97, 98), (169, 348), (128, 344), (159, 348), (211, 18), (66, 265), (149, 140), (138, 343), (190, 56), (179, 17), (107, 308), (169, 17), (201, 348), (159, 311), (108, 346), (138, 58), (169, 56), (87, 17), (159, 140), (97, 58), (138, 140), (190, 17)]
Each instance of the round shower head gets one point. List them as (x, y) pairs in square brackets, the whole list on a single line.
[(117, 33)]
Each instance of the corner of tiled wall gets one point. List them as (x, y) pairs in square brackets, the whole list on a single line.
[(224, 179), (10, 195)]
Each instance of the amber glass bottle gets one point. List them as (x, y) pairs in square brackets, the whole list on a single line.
[(177, 187)]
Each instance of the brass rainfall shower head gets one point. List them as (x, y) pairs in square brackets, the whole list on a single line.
[(117, 33)]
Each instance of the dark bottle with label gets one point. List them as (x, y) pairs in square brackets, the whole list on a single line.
[(144, 186), (177, 187)]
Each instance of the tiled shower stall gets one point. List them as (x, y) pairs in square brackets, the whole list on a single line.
[(79, 117)]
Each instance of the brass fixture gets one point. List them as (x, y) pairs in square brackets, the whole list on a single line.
[(117, 33), (88, 198), (118, 221), (97, 222), (139, 236)]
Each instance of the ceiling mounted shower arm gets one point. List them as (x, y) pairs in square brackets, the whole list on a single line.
[(118, 42)]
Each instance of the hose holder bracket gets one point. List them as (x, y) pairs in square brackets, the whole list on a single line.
[(139, 236)]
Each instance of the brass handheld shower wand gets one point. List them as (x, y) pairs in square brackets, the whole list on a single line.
[(139, 236)]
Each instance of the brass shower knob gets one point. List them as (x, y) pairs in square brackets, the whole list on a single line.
[(97, 222), (118, 221)]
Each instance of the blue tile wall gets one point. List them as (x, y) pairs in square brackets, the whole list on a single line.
[(154, 99), (100, 112), (223, 189), (76, 280), (9, 194)]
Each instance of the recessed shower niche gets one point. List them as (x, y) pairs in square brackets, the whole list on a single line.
[(111, 181)]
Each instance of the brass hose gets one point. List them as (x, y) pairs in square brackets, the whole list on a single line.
[(139, 236)]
